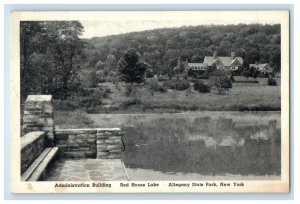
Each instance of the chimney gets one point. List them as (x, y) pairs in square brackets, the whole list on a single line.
[(232, 55), (215, 54)]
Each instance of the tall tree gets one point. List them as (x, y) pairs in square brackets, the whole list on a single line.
[(131, 68), (67, 47), (30, 42), (50, 56)]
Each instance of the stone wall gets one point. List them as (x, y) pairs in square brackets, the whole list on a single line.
[(32, 145), (109, 143), (89, 143), (104, 143), (38, 116)]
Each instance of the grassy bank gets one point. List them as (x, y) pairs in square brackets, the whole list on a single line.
[(80, 119), (245, 95), (72, 119), (242, 97)]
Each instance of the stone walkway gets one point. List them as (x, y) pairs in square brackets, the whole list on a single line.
[(86, 170)]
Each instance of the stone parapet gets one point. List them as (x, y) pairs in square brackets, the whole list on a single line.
[(39, 116), (109, 143), (104, 143), (32, 145)]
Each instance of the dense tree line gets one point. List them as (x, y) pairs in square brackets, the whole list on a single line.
[(51, 53), (161, 48)]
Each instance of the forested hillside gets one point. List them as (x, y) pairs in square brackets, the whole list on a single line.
[(85, 73), (161, 48)]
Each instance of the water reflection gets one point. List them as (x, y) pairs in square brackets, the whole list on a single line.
[(205, 145)]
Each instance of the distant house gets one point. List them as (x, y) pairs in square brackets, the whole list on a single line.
[(262, 68), (231, 63), (196, 68)]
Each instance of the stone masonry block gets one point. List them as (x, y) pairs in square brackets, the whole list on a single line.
[(79, 140), (81, 136), (75, 154), (112, 147), (90, 154), (91, 140), (47, 128), (102, 155), (113, 156), (101, 148), (48, 109), (49, 122), (117, 142), (41, 121), (30, 118), (100, 141), (115, 150), (102, 137)]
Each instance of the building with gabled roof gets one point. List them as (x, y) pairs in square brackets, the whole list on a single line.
[(231, 63), (264, 68), (196, 66)]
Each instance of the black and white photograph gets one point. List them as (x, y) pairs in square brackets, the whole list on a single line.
[(156, 101)]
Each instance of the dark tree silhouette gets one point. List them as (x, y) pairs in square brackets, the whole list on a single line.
[(51, 53), (131, 68)]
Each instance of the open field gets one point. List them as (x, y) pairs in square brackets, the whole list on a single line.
[(80, 119), (241, 97), (72, 119)]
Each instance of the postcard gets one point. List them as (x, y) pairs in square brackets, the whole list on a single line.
[(149, 101)]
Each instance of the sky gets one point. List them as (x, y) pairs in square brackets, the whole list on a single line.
[(112, 23)]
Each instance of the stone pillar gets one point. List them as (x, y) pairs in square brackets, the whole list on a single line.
[(109, 143), (39, 116)]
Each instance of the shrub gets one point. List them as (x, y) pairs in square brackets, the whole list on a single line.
[(68, 104), (131, 102), (201, 87), (94, 80), (272, 81), (203, 76), (227, 84), (162, 78), (87, 99), (220, 80), (161, 89), (182, 85), (104, 91), (73, 119), (128, 89), (100, 76), (154, 86), (177, 84), (92, 102), (149, 73)]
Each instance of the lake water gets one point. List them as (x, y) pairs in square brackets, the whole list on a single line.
[(193, 146)]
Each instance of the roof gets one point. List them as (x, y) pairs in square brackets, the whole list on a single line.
[(197, 64), (202, 65), (227, 142), (226, 61), (259, 66), (260, 135), (39, 98)]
